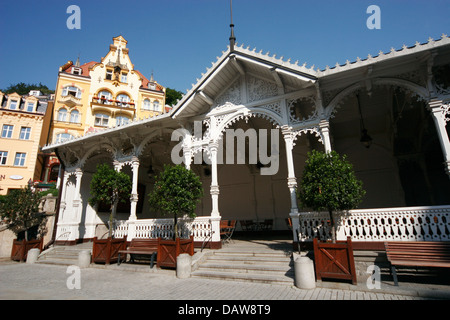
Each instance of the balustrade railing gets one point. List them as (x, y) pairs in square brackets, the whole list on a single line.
[(199, 227), (388, 224)]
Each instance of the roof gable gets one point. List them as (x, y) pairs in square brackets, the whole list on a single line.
[(243, 76)]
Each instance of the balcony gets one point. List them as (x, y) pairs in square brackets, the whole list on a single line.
[(104, 102), (70, 101)]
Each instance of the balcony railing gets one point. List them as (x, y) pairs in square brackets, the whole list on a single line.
[(113, 103)]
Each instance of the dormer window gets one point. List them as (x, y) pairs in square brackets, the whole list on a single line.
[(30, 106), (13, 104), (76, 71), (152, 86)]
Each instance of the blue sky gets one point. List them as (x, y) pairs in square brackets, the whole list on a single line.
[(178, 39)]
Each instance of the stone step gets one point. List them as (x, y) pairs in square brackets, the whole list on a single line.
[(246, 268), (239, 276), (63, 255), (249, 258)]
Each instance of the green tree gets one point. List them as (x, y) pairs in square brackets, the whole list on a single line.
[(20, 211), (110, 187), (177, 191), (24, 88), (329, 183), (172, 96)]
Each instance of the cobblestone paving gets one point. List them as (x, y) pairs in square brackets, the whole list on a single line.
[(32, 281)]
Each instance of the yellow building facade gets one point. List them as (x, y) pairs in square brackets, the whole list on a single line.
[(98, 95), (24, 125)]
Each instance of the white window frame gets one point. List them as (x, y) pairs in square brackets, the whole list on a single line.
[(68, 89), (156, 105), (3, 158), (122, 120), (25, 133), (123, 99), (146, 104), (62, 114), (101, 120), (61, 137), (30, 105), (16, 104), (7, 131), (19, 160), (74, 116)]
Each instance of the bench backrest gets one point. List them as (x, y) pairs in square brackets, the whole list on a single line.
[(144, 243), (426, 250)]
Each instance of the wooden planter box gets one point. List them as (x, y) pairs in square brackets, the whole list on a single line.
[(334, 260), (107, 250), (168, 251), (20, 249)]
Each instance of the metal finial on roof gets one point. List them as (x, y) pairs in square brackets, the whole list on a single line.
[(77, 63), (232, 37)]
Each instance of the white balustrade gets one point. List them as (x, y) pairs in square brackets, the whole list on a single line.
[(199, 227), (388, 224)]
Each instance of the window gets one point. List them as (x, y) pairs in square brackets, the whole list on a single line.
[(156, 105), (122, 120), (109, 74), (71, 91), (63, 137), (105, 96), (13, 105), (76, 71), (30, 106), (146, 105), (62, 114), (75, 116), (123, 100), (3, 157), (25, 133), (19, 161), (101, 119), (124, 77), (7, 131)]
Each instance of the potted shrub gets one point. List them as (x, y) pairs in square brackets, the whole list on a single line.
[(329, 183), (19, 210), (177, 191), (110, 187)]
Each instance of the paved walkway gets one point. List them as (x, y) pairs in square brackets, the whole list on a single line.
[(50, 282)]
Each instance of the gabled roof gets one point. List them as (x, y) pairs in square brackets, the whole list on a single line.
[(230, 66)]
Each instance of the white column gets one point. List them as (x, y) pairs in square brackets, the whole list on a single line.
[(436, 108), (291, 180), (77, 206), (134, 190), (324, 126), (215, 214)]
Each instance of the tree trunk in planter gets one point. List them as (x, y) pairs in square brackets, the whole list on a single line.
[(334, 260), (169, 250), (107, 250), (20, 249)]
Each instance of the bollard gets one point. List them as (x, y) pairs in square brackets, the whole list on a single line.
[(184, 266), (33, 255), (304, 273), (84, 259)]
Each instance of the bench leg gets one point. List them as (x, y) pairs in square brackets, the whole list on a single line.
[(394, 275), (152, 261), (118, 260)]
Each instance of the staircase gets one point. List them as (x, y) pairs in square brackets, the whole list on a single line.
[(255, 261), (63, 255)]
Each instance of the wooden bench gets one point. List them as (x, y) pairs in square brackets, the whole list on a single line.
[(141, 247), (417, 254)]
